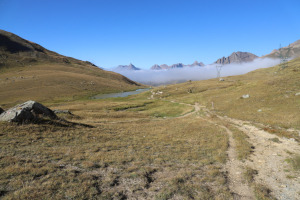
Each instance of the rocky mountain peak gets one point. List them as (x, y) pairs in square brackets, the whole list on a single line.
[(127, 67), (237, 57), (196, 63)]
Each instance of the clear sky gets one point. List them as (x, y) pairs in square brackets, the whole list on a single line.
[(147, 32)]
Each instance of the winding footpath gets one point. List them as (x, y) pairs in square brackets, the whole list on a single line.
[(268, 159)]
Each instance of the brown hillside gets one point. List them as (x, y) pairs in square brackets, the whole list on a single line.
[(29, 71)]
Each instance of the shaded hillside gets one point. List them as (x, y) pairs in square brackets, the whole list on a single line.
[(237, 57), (29, 71)]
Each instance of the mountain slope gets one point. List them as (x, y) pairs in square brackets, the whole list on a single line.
[(236, 57), (291, 51), (29, 71)]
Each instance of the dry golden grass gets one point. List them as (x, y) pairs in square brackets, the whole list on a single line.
[(261, 191), (130, 153), (243, 147)]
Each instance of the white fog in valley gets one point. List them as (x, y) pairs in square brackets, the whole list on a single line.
[(159, 77)]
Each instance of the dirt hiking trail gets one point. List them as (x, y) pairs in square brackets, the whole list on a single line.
[(269, 159)]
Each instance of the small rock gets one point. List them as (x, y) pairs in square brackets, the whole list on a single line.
[(259, 110), (221, 79), (1, 110), (292, 139), (62, 111), (297, 94), (245, 96), (283, 186)]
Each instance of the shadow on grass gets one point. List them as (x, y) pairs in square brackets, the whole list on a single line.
[(56, 122)]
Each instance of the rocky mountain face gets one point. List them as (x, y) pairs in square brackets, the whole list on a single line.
[(126, 67), (237, 57), (291, 51), (176, 66), (196, 63)]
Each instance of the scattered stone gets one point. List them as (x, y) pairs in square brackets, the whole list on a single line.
[(245, 96), (259, 110), (283, 186), (221, 79), (62, 112), (297, 94), (292, 139), (26, 112)]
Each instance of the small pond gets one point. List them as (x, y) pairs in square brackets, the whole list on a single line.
[(120, 94)]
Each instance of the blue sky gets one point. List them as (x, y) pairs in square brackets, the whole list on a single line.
[(147, 32)]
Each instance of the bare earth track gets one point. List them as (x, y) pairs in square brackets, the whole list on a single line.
[(268, 159)]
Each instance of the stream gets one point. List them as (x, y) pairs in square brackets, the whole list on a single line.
[(120, 94)]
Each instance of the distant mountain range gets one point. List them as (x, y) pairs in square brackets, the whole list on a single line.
[(174, 66), (291, 51), (235, 57), (157, 67)]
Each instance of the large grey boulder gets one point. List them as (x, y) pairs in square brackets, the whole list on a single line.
[(26, 112)]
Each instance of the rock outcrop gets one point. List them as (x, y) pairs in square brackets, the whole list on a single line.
[(127, 67), (27, 112), (196, 63), (178, 65), (237, 57), (159, 67)]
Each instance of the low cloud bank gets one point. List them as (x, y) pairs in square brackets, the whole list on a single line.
[(160, 77)]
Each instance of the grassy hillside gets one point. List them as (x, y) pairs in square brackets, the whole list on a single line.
[(29, 71), (51, 81), (272, 93)]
